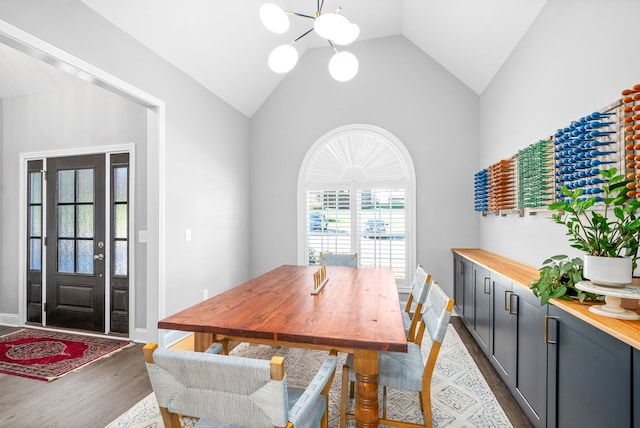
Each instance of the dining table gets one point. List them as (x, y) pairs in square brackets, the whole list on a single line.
[(356, 310)]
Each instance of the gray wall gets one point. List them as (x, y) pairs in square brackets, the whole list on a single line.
[(207, 152), (575, 59), (398, 88), (84, 117)]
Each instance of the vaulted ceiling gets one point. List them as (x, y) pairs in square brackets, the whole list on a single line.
[(223, 45)]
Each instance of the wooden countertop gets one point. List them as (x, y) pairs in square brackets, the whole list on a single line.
[(522, 274)]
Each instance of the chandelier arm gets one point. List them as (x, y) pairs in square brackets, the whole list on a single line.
[(299, 14), (304, 34), (321, 6), (333, 46)]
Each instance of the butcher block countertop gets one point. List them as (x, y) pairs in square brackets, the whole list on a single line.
[(522, 274)]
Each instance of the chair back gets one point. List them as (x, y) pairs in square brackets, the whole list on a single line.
[(234, 390), (337, 259), (436, 313), (420, 285)]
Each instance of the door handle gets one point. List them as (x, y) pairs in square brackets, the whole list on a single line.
[(99, 257), (546, 331), (506, 293), (484, 286), (511, 311)]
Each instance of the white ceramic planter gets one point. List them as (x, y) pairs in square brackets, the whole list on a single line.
[(608, 271)]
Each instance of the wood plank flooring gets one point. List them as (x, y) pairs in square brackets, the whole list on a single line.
[(90, 397), (100, 392)]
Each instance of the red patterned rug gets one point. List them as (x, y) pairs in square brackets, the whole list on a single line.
[(46, 355)]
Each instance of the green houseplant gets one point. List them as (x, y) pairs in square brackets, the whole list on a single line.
[(558, 276), (610, 229)]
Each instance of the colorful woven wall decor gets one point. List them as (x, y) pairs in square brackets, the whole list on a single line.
[(631, 124), (481, 190), (583, 148), (535, 175), (502, 185), (573, 158)]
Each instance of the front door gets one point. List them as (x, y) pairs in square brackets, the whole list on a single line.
[(75, 246)]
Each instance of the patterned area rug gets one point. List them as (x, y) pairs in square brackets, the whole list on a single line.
[(46, 355), (460, 396)]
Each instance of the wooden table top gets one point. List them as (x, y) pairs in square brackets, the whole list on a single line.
[(358, 308), (522, 274)]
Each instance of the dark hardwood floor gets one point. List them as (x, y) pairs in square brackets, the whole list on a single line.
[(509, 405), (90, 397), (100, 392)]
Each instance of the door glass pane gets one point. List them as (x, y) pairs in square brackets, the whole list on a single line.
[(66, 186), (35, 181), (85, 185), (35, 213), (35, 254), (120, 264), (120, 186), (121, 221), (66, 255), (66, 221), (85, 221), (85, 256)]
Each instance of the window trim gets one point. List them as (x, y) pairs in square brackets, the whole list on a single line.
[(408, 182)]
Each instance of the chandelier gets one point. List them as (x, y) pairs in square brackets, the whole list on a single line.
[(332, 26)]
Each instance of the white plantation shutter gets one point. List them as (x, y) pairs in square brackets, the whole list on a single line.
[(356, 193)]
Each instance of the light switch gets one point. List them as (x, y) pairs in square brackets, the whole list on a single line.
[(187, 235), (142, 236)]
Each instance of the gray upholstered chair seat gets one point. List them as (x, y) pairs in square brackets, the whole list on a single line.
[(235, 392), (397, 369), (293, 394)]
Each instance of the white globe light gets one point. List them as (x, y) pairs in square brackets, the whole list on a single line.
[(343, 66), (274, 18), (283, 58), (347, 35), (329, 25)]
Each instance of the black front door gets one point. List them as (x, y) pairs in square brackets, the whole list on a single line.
[(75, 246)]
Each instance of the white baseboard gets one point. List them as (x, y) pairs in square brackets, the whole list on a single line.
[(10, 320), (171, 337)]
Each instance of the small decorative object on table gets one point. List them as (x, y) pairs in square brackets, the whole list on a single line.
[(319, 279)]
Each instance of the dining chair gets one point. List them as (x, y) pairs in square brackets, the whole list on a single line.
[(339, 259), (419, 290), (407, 370), (233, 391)]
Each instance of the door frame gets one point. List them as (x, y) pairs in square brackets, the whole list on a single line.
[(22, 257), (155, 177)]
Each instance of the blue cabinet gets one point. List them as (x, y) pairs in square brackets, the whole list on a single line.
[(481, 326), (636, 388), (518, 350), (589, 375)]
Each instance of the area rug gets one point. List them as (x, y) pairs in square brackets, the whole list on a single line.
[(46, 355), (460, 396)]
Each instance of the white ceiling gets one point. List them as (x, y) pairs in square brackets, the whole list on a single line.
[(223, 45)]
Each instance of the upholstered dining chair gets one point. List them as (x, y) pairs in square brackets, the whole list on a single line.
[(419, 289), (407, 370), (231, 391), (339, 259)]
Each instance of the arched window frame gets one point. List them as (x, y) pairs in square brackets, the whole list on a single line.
[(358, 176)]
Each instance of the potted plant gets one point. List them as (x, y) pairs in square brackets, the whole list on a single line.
[(607, 233), (558, 277)]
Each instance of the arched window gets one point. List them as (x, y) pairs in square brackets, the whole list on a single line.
[(356, 193)]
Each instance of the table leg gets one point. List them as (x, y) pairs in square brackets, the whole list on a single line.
[(366, 368), (201, 341)]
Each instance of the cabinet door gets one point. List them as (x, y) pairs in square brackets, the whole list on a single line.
[(482, 306), (530, 380), (467, 292), (458, 282), (503, 334), (589, 382), (636, 388)]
